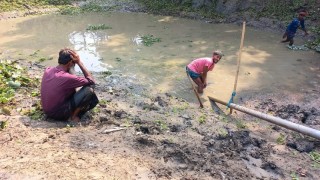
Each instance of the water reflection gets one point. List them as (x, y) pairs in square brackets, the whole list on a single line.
[(85, 43)]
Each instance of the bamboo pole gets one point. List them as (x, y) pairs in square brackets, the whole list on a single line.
[(195, 91), (239, 60), (275, 120)]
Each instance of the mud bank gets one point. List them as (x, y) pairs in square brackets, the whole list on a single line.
[(163, 137)]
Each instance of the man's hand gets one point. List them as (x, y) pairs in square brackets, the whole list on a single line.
[(75, 57)]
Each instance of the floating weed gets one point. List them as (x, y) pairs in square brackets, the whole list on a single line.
[(149, 40), (97, 27), (106, 73), (281, 139), (41, 59), (35, 53)]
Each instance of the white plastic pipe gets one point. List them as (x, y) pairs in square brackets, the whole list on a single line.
[(275, 120)]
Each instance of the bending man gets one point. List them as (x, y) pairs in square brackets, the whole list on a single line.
[(199, 68)]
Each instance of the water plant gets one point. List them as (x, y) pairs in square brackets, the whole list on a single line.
[(149, 40), (97, 27)]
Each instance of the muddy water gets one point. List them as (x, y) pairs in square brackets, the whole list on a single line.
[(266, 64)]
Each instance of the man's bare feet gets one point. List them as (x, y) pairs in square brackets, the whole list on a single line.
[(75, 119)]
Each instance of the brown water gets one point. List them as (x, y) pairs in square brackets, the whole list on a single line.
[(266, 64)]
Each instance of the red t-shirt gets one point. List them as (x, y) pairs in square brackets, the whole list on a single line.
[(197, 65), (57, 86)]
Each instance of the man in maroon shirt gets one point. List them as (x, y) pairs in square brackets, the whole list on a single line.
[(59, 97)]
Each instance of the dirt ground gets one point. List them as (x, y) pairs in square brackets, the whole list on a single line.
[(161, 137)]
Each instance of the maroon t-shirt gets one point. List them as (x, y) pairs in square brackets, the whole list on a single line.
[(57, 86)]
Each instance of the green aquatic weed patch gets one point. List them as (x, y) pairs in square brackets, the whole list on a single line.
[(149, 40), (97, 27)]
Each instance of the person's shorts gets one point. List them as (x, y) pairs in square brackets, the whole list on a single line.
[(192, 74), (290, 35), (84, 99)]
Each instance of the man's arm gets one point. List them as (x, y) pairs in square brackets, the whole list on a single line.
[(303, 27), (204, 76), (76, 59)]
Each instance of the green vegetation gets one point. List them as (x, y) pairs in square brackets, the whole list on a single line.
[(12, 77), (202, 119), (3, 125), (98, 27), (281, 139), (240, 124), (163, 126), (11, 5), (294, 176), (149, 40), (71, 10), (315, 157), (179, 7)]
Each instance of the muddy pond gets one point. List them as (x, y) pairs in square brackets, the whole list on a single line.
[(266, 64)]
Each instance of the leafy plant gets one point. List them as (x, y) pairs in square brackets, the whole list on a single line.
[(202, 119), (149, 40), (12, 77)]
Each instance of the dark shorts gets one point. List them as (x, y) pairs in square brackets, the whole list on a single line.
[(192, 74), (85, 99), (290, 35)]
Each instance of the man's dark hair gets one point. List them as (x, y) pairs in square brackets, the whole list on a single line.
[(64, 56)]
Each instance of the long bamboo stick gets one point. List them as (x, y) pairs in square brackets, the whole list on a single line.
[(195, 91), (275, 120), (239, 61)]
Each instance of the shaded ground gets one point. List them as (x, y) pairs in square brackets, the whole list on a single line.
[(163, 138)]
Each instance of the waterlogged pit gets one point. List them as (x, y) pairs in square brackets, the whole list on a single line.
[(266, 64)]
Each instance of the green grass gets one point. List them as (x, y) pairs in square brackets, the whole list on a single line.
[(281, 139), (11, 5)]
